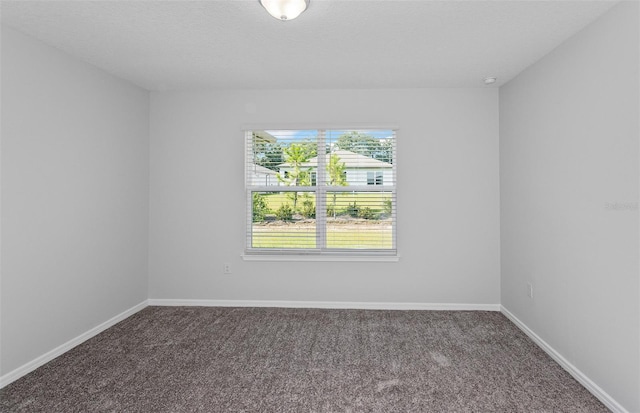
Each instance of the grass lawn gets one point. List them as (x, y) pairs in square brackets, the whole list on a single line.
[(345, 232), (338, 236)]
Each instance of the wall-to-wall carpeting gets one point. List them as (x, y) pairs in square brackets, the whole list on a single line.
[(203, 359)]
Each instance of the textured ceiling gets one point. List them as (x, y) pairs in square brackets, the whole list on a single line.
[(178, 44)]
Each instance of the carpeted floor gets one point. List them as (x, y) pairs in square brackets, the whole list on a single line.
[(201, 359)]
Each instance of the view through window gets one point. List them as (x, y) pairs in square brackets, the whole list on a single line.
[(321, 191)]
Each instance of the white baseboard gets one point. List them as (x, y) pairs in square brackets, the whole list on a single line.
[(47, 357), (593, 388), (325, 304)]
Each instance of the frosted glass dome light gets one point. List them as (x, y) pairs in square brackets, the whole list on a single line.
[(285, 9)]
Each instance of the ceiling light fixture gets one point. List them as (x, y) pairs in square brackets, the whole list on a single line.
[(490, 80), (285, 9)]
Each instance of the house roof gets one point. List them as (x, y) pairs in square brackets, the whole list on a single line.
[(264, 136), (351, 160), (261, 170)]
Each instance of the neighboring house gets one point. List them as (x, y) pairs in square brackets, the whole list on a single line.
[(360, 169), (259, 175)]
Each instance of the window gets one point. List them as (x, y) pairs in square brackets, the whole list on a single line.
[(374, 178), (334, 192)]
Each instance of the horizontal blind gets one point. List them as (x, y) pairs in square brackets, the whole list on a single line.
[(321, 191)]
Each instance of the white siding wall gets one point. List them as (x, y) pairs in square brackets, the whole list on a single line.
[(360, 176)]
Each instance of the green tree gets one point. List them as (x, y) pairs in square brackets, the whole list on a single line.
[(295, 155), (367, 145), (311, 146), (386, 151), (337, 176), (357, 142), (268, 154)]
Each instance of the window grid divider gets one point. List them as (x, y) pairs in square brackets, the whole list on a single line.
[(321, 179)]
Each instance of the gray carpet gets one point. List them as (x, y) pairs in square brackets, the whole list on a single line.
[(195, 359)]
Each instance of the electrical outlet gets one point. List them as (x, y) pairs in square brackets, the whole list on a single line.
[(529, 290), (226, 268)]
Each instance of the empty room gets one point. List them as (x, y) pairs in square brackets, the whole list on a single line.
[(320, 206)]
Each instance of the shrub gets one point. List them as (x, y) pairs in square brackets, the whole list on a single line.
[(260, 207), (308, 209), (285, 212), (387, 207), (366, 213), (352, 210)]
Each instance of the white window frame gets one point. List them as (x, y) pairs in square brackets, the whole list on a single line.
[(377, 180), (319, 254)]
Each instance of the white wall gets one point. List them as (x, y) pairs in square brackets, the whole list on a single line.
[(74, 198), (448, 201), (569, 193)]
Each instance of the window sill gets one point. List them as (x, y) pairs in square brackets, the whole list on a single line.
[(319, 257)]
